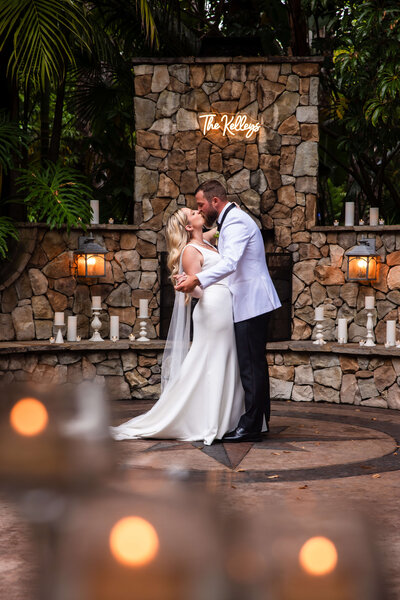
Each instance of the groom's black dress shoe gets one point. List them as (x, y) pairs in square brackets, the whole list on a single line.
[(241, 435)]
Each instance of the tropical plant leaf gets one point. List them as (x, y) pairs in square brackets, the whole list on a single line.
[(56, 195), (12, 141), (7, 230)]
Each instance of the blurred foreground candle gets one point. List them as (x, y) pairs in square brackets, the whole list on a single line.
[(342, 330), (71, 328), (390, 333), (370, 302), (143, 308), (373, 216), (58, 318), (349, 214), (96, 302), (114, 327), (319, 313), (94, 205)]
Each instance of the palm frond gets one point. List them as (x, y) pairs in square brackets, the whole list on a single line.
[(7, 230), (12, 141)]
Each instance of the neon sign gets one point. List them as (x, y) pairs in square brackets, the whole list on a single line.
[(229, 124)]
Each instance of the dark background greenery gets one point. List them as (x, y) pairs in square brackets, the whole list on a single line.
[(68, 92)]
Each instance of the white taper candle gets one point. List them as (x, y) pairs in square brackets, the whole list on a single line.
[(349, 214), (373, 216), (94, 205), (114, 326), (143, 308), (58, 318), (342, 330), (72, 323), (369, 302), (96, 302), (391, 333), (319, 313)]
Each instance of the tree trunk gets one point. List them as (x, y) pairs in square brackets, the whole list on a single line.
[(44, 122), (57, 123), (298, 28)]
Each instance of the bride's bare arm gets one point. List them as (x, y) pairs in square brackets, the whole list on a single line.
[(192, 261)]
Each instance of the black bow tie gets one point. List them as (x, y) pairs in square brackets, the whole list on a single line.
[(219, 225)]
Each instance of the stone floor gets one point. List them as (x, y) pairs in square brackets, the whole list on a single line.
[(331, 459)]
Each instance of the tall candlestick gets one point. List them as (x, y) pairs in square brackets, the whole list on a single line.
[(114, 326), (72, 322), (342, 331), (349, 214), (143, 308), (319, 313), (369, 302), (94, 205), (58, 318), (96, 302), (373, 216), (390, 333)]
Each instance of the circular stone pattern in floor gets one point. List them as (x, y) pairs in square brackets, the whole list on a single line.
[(306, 442)]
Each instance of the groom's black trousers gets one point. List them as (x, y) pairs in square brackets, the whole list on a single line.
[(251, 339)]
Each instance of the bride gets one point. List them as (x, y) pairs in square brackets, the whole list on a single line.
[(202, 396)]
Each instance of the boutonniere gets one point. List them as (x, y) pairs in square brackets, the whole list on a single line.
[(216, 235)]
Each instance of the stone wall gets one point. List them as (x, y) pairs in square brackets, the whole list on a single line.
[(337, 375), (319, 278), (46, 284), (126, 373)]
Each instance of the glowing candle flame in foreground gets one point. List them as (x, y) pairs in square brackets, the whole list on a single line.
[(134, 541), (29, 417), (318, 556)]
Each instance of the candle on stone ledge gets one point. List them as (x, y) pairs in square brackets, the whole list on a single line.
[(342, 330), (58, 318), (114, 327), (72, 323), (96, 302), (94, 205), (369, 302), (319, 313), (373, 216), (391, 333), (349, 214), (143, 308)]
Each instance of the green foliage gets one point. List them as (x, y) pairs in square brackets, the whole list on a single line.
[(7, 231), (12, 141), (39, 32), (56, 195)]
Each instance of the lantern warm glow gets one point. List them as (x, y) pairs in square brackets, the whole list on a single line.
[(363, 262), (134, 541), (318, 556), (29, 417), (90, 258)]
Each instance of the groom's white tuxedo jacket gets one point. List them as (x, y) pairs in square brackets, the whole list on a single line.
[(241, 247)]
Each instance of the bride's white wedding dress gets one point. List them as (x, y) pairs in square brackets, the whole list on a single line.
[(206, 399)]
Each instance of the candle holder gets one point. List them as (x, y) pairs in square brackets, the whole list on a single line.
[(143, 332), (131, 337), (114, 338), (95, 325), (381, 221), (341, 340), (361, 222), (319, 335), (59, 336), (52, 340), (369, 341), (336, 223)]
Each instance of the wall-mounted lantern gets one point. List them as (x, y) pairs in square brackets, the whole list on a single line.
[(363, 261), (90, 258)]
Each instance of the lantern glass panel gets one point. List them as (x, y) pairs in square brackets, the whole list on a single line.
[(91, 265), (362, 268)]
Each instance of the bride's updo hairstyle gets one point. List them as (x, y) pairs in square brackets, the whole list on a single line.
[(177, 237)]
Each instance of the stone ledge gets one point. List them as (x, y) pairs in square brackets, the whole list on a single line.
[(332, 347), (143, 60), (113, 227), (83, 346), (379, 228)]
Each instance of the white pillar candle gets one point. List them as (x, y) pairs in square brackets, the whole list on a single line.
[(391, 333), (94, 205), (319, 313), (72, 323), (114, 326), (373, 216), (96, 302), (342, 330), (143, 308), (369, 302), (58, 318), (349, 214)]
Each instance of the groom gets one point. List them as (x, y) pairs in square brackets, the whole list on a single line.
[(241, 247)]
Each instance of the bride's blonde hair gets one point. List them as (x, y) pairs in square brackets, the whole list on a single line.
[(177, 237)]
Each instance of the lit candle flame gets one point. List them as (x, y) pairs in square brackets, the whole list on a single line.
[(29, 417), (318, 556), (134, 541), (91, 260)]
